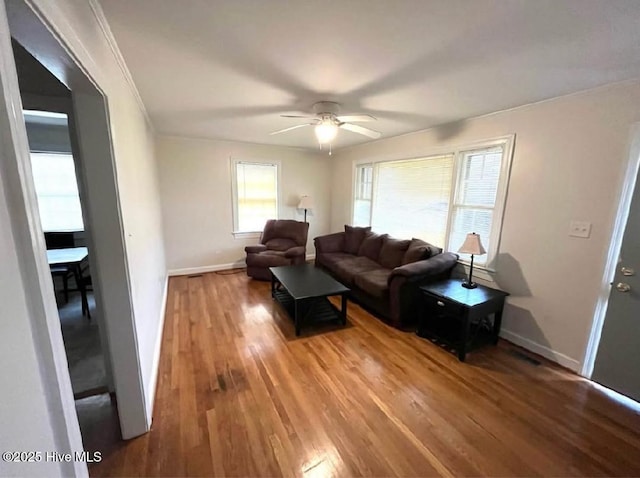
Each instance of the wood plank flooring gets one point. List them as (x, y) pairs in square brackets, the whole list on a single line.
[(239, 395)]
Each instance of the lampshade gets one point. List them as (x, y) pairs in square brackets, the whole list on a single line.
[(472, 245), (326, 132), (305, 202)]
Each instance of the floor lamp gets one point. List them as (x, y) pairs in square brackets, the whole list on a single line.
[(305, 203)]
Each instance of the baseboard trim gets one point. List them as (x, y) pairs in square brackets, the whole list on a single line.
[(217, 267), (156, 354), (546, 352), (203, 269)]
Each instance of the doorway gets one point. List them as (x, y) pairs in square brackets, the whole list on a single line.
[(57, 190), (612, 358)]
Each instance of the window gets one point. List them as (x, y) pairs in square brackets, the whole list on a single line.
[(56, 187), (439, 198), (362, 201), (255, 191)]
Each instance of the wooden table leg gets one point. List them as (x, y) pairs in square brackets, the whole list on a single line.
[(273, 286), (343, 311), (497, 322), (464, 338), (296, 316)]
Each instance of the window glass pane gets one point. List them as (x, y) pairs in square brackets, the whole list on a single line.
[(257, 195), (54, 177), (362, 201), (412, 198), (479, 178), (361, 212)]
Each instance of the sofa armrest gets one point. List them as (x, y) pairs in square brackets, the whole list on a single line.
[(295, 252), (428, 267), (255, 249), (329, 243)]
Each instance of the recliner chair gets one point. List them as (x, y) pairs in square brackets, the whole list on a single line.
[(282, 243)]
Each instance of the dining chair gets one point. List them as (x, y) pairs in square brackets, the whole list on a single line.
[(60, 240)]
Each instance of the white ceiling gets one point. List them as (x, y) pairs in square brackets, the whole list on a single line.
[(227, 69)]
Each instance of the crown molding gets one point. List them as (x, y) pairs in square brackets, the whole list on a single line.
[(117, 54)]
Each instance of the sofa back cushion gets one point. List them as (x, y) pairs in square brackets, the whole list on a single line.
[(353, 237), (371, 245), (419, 250), (392, 252)]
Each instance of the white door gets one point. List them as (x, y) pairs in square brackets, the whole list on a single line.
[(617, 363)]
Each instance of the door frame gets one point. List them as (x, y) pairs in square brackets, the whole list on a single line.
[(628, 184)]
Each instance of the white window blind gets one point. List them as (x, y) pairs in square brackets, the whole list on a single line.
[(475, 199), (411, 198), (256, 195), (56, 187), (439, 198)]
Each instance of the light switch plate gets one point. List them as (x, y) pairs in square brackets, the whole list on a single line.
[(580, 229)]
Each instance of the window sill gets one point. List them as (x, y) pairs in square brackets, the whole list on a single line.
[(246, 235)]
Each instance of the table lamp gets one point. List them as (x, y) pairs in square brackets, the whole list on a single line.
[(305, 203), (473, 246)]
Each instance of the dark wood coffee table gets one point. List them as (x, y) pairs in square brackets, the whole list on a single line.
[(303, 290)]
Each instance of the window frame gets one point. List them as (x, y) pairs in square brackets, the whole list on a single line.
[(234, 193), (507, 143)]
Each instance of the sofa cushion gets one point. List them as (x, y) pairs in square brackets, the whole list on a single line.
[(419, 250), (392, 252), (346, 266), (374, 282), (371, 245), (329, 259), (353, 237), (280, 244)]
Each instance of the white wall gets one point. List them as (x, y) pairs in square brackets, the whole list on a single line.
[(25, 421), (195, 185), (569, 157)]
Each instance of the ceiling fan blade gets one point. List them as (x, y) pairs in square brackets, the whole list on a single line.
[(297, 116), (361, 130), (291, 128), (356, 118)]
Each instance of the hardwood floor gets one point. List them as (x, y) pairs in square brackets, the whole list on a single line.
[(239, 395)]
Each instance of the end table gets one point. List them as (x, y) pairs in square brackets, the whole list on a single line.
[(459, 317)]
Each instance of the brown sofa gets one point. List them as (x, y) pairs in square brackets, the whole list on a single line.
[(282, 243), (383, 273)]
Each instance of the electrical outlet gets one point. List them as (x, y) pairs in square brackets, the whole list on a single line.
[(580, 229)]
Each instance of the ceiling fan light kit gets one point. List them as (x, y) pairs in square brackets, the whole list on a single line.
[(326, 132), (327, 121)]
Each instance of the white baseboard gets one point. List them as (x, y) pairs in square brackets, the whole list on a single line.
[(156, 354), (202, 269), (546, 352), (217, 267)]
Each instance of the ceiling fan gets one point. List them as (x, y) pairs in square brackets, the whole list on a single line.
[(327, 120)]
